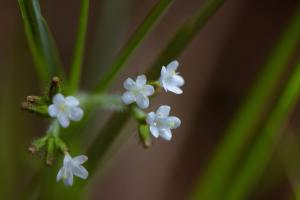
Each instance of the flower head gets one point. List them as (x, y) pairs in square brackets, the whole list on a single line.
[(161, 123), (170, 80), (137, 91), (65, 109), (71, 167)]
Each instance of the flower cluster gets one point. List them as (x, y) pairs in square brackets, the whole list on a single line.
[(139, 91), (64, 109)]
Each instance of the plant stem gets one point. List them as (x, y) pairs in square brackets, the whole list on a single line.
[(136, 39), (221, 167), (79, 48)]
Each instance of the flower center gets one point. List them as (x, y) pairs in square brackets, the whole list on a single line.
[(62, 107)]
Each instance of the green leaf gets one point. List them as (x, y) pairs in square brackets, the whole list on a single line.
[(136, 39), (40, 41), (226, 158), (79, 48)]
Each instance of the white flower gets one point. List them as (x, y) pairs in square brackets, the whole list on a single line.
[(138, 91), (71, 167), (65, 109), (161, 124), (170, 80)]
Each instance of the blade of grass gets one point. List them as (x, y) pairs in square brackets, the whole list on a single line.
[(221, 167), (182, 37), (111, 22), (136, 39), (79, 47), (262, 150), (40, 40)]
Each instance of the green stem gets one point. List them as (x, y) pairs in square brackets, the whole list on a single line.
[(222, 165), (136, 39), (262, 150), (79, 47)]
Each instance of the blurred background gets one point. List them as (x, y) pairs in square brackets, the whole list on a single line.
[(220, 66)]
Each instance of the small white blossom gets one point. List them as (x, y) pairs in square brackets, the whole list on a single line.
[(170, 80), (65, 109), (72, 167), (137, 91), (161, 123)]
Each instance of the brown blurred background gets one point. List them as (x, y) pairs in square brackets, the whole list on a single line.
[(219, 67)]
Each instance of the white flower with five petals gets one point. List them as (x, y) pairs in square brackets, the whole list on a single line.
[(161, 123), (170, 80), (137, 91), (65, 109), (72, 167)]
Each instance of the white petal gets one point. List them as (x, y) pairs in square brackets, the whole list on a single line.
[(142, 101), (60, 174), (63, 120), (128, 84), (78, 160), (67, 159), (69, 179), (150, 118), (175, 89), (128, 98), (174, 122), (178, 80), (148, 90), (154, 131), (53, 110), (172, 66), (58, 99), (141, 80), (163, 111), (163, 72), (72, 101), (166, 134), (80, 172), (76, 114)]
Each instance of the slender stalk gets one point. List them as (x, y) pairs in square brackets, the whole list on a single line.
[(221, 167), (133, 43), (79, 47), (262, 150), (41, 42)]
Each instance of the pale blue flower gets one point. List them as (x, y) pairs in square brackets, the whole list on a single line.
[(65, 109), (137, 91), (72, 167), (161, 123), (170, 80)]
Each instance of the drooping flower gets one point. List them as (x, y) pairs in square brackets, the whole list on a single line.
[(65, 109), (72, 167), (161, 123), (137, 91), (169, 79)]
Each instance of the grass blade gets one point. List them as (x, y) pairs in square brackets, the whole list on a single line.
[(79, 47), (262, 150), (225, 159), (40, 41), (132, 44)]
